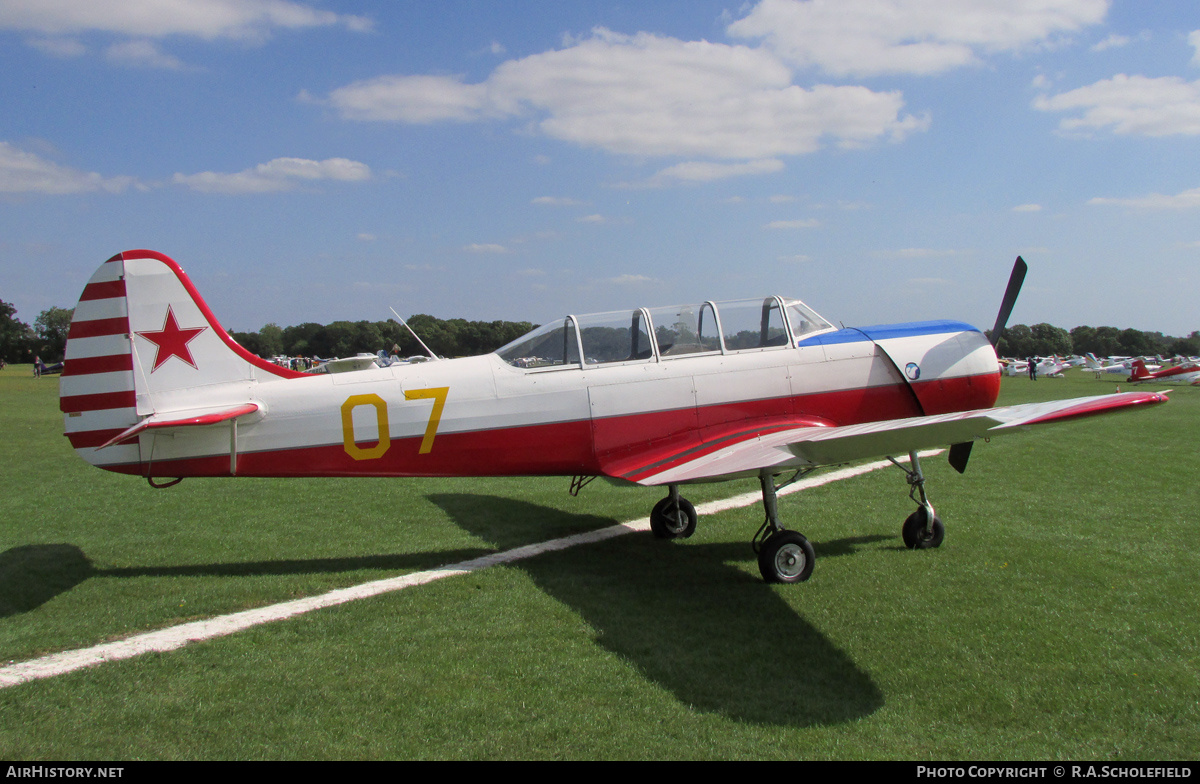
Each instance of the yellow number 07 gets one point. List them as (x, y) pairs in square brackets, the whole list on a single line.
[(437, 394)]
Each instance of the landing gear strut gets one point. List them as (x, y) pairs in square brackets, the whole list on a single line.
[(783, 556), (923, 529)]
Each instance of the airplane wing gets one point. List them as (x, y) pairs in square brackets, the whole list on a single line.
[(814, 446)]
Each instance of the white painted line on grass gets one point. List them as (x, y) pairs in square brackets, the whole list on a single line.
[(175, 637)]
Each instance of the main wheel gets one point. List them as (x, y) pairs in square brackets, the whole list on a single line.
[(915, 535), (668, 521), (786, 557)]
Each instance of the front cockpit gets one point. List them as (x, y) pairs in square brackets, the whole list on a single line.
[(665, 333)]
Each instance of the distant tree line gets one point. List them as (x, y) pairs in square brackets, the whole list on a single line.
[(47, 338), (445, 337), (1043, 340)]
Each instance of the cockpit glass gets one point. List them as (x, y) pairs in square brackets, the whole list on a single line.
[(621, 336), (551, 345), (679, 330), (803, 319), (752, 323), (685, 329)]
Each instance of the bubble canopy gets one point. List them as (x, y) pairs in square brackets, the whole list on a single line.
[(664, 333)]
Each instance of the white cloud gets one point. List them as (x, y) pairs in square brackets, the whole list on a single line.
[(142, 54), (647, 95), (489, 247), (280, 174), (1194, 40), (803, 223), (627, 279), (918, 253), (708, 171), (1131, 105), (597, 218), (556, 201), (1187, 200), (209, 19), (1113, 41), (411, 99), (58, 47), (872, 37), (1027, 208), (25, 172)]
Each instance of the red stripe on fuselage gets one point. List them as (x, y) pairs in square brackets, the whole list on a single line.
[(567, 448), (966, 393)]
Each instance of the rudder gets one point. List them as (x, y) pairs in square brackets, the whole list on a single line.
[(141, 343)]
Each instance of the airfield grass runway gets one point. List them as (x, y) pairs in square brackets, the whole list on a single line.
[(1058, 621)]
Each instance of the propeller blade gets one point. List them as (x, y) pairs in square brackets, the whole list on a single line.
[(961, 453), (1010, 298)]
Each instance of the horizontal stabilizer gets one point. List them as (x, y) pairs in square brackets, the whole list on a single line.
[(193, 418)]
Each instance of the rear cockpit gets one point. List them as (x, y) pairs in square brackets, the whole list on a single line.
[(665, 333)]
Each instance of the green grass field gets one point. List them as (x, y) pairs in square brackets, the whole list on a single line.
[(1058, 621)]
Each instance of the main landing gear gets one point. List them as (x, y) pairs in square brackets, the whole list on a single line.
[(787, 556), (923, 529), (783, 556), (674, 517)]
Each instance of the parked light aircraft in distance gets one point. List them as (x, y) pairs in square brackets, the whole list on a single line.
[(766, 388), (1186, 373), (1048, 367)]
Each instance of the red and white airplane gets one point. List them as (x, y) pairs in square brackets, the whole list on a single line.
[(1186, 373), (154, 387)]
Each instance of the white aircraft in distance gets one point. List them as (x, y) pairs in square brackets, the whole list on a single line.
[(1187, 373), (766, 388), (1049, 367), (1113, 365)]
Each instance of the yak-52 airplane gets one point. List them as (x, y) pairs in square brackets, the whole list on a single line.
[(766, 388), (1184, 373)]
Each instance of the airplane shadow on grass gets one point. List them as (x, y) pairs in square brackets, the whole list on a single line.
[(712, 634), (32, 575), (717, 638)]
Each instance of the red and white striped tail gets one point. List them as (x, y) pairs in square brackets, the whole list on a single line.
[(96, 393), (142, 346)]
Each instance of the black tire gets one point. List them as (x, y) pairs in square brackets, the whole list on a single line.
[(668, 521), (786, 557), (915, 535)]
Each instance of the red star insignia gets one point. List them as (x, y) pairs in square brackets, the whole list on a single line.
[(172, 341)]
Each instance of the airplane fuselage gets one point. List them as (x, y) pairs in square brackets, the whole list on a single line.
[(476, 415)]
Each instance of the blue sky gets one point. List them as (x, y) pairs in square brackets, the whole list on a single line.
[(883, 160)]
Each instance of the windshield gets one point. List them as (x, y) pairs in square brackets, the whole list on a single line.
[(551, 345)]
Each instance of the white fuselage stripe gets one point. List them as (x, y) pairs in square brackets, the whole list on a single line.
[(175, 637)]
